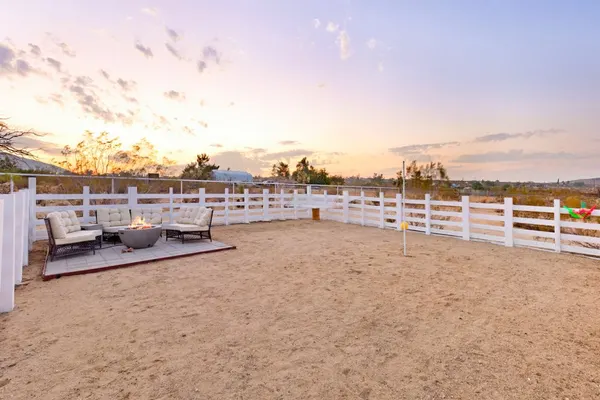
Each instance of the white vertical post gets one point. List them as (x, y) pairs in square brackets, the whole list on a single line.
[(112, 186), (170, 205), (557, 244), (381, 210), (508, 222), (399, 216), (132, 197), (7, 284), (226, 212), (309, 193), (246, 205), (362, 207), (265, 204), (466, 219), (428, 214), (86, 204), (346, 207), (27, 204), (18, 239), (12, 184), (403, 206), (295, 201), (202, 197), (1, 238), (324, 208), (282, 204), (31, 185)]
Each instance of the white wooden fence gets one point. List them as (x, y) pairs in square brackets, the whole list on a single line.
[(489, 222), (14, 245)]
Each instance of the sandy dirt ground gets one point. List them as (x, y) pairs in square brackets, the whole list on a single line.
[(312, 310)]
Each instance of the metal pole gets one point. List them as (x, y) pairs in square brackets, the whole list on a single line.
[(403, 202), (12, 184)]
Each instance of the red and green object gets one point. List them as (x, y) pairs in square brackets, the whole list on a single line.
[(582, 213)]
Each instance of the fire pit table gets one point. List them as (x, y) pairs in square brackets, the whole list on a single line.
[(140, 237)]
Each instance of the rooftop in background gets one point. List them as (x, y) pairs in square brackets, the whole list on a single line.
[(231, 176)]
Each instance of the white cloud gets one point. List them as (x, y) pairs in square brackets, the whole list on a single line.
[(343, 41), (380, 66), (153, 11), (331, 27), (372, 43), (316, 23)]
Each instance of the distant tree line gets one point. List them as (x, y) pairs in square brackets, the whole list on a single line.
[(305, 173)]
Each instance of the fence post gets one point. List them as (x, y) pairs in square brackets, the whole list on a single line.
[(381, 210), (246, 206), (12, 184), (362, 207), (508, 222), (226, 211), (18, 239), (309, 194), (399, 216), (170, 205), (202, 197), (428, 214), (26, 203), (7, 282), (557, 244), (112, 186), (265, 204), (346, 207), (86, 204), (31, 185), (132, 196), (282, 204), (466, 219), (295, 202), (323, 210), (1, 241)]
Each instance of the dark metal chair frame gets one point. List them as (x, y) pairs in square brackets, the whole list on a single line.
[(195, 235), (63, 250)]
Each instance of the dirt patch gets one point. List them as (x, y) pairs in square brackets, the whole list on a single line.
[(312, 310)]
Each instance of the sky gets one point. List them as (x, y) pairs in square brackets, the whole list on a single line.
[(506, 90)]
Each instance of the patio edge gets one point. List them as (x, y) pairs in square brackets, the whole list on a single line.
[(131, 264)]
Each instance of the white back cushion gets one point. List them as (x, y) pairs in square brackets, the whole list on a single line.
[(187, 215), (203, 217), (150, 215), (108, 217), (63, 222)]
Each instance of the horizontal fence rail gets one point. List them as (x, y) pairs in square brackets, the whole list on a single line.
[(547, 228)]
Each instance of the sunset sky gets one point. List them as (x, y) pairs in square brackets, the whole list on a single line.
[(505, 90)]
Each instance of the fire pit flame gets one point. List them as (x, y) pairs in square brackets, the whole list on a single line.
[(139, 223)]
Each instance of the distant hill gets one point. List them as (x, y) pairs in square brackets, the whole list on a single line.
[(29, 164)]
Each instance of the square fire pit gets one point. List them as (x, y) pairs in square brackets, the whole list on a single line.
[(140, 237)]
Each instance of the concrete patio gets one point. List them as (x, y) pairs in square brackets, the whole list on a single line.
[(110, 257)]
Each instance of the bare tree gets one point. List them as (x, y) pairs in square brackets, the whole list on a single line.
[(9, 135)]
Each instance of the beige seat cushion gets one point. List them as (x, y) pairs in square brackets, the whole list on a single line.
[(108, 217), (185, 227), (203, 216), (78, 237), (187, 215), (151, 215), (62, 223)]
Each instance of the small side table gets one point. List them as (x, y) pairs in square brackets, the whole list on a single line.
[(94, 227)]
